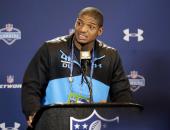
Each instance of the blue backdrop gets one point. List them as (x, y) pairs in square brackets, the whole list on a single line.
[(25, 25)]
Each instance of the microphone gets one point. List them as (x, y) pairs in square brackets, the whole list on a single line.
[(85, 57)]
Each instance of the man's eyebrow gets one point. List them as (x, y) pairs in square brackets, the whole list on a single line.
[(88, 22)]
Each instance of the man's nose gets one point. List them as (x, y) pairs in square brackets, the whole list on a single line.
[(84, 28)]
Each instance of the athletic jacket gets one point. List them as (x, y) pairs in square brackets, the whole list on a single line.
[(46, 78)]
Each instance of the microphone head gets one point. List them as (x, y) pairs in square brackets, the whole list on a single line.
[(85, 55)]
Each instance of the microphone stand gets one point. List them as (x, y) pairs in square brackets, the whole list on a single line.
[(84, 72)]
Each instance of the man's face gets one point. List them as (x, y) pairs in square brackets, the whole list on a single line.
[(86, 29)]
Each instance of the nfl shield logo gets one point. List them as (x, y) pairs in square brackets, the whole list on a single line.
[(9, 27), (136, 81), (16, 126), (9, 34), (93, 122), (10, 79)]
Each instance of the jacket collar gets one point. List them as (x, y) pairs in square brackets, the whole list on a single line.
[(99, 54)]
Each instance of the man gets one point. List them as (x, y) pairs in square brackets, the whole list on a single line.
[(55, 75)]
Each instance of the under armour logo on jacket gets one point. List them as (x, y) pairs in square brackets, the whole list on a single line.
[(138, 35)]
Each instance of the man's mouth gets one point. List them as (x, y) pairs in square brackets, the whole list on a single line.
[(82, 37)]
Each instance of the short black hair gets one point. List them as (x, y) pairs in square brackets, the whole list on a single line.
[(93, 12)]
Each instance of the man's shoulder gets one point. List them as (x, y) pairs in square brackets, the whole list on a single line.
[(58, 40), (61, 42), (104, 46)]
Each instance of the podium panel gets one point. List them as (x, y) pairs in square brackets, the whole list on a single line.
[(88, 116)]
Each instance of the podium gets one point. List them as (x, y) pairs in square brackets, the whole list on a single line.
[(98, 116)]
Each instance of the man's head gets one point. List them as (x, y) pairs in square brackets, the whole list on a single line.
[(94, 13), (89, 25)]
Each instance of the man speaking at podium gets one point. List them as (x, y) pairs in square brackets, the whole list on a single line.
[(76, 68)]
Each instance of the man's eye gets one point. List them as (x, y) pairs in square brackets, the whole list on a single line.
[(91, 27), (78, 23)]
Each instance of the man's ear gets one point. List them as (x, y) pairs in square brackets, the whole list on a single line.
[(75, 24), (100, 31)]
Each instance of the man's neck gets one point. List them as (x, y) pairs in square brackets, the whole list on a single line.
[(87, 46)]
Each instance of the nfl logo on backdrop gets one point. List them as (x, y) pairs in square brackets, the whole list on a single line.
[(9, 34), (10, 83), (93, 122), (15, 127), (10, 79), (136, 81)]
